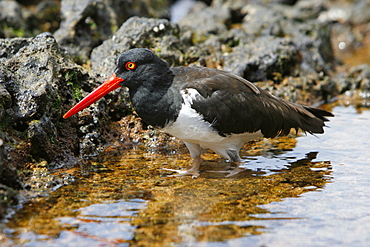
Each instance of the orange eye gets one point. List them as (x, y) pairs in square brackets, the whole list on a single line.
[(130, 65)]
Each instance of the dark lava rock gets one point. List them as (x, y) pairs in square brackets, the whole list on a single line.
[(8, 173), (39, 83), (17, 20), (42, 134), (8, 182), (9, 47), (8, 197), (207, 20), (34, 90), (12, 20), (311, 37), (263, 59), (360, 76), (86, 24), (260, 41), (159, 34), (5, 101)]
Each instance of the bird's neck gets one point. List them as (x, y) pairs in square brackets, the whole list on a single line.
[(157, 102)]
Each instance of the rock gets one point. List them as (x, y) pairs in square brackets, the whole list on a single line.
[(33, 68), (360, 76), (5, 100), (263, 59), (314, 42), (34, 93), (285, 49), (9, 47), (262, 20), (39, 83), (43, 134), (12, 21), (312, 38), (260, 41), (306, 10), (207, 20), (47, 15), (87, 23), (8, 197), (159, 34), (17, 20), (360, 12), (8, 172)]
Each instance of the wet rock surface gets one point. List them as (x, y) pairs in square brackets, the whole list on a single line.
[(290, 48)]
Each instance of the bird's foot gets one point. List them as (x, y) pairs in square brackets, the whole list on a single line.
[(191, 172), (232, 172)]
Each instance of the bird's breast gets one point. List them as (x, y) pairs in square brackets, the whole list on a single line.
[(190, 126)]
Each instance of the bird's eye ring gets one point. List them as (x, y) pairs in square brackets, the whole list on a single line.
[(130, 65)]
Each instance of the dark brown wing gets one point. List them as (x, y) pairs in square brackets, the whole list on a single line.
[(235, 105)]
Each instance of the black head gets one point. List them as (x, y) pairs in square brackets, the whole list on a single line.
[(139, 70), (141, 67)]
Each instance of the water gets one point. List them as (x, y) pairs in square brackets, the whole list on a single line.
[(338, 215), (304, 191)]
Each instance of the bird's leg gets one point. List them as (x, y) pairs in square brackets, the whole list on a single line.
[(235, 171), (193, 171), (233, 156), (195, 153)]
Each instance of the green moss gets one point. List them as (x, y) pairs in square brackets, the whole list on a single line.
[(233, 42), (12, 31), (113, 29), (147, 42), (57, 103), (71, 77), (198, 39), (4, 123), (54, 140)]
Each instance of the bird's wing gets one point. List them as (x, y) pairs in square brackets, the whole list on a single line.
[(234, 105)]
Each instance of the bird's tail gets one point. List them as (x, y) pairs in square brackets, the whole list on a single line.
[(313, 122)]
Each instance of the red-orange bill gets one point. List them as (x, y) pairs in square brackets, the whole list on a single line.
[(109, 85)]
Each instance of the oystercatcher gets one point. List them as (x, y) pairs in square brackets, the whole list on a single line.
[(206, 108)]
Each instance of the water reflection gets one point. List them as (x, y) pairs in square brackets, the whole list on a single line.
[(126, 199), (220, 209), (105, 223)]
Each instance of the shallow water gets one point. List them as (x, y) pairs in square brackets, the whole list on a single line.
[(304, 191)]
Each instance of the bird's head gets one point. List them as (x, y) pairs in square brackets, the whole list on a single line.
[(136, 67)]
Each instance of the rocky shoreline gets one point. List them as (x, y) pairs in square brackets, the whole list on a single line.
[(52, 53)]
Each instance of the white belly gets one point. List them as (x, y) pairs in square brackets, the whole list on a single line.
[(190, 127)]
